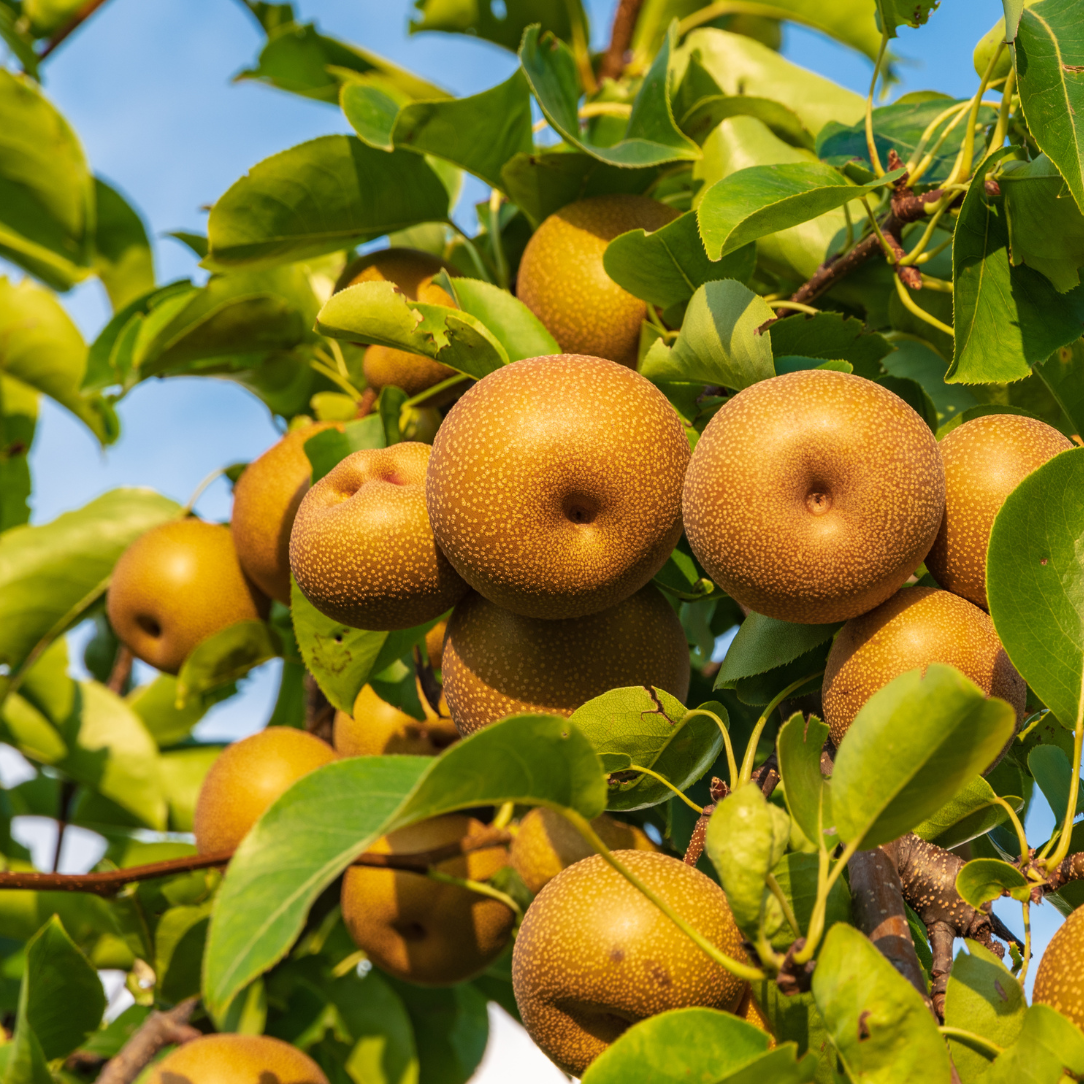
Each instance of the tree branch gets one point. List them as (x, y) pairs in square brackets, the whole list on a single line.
[(110, 882), (69, 28), (319, 711), (158, 1030), (616, 56), (122, 670)]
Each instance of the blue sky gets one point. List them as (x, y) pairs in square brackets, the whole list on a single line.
[(148, 86)]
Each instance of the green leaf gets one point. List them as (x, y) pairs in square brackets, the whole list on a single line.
[(794, 1019), (375, 312), (918, 362), (765, 643), (746, 838), (178, 941), (1063, 374), (49, 575), (833, 336), (1035, 583), (972, 812), (913, 745), (797, 876), (707, 113), (754, 202), (61, 998), (123, 257), (225, 657), (512, 324), (1049, 57), (878, 1022), (326, 449), (320, 196), (451, 1029), (18, 420), (651, 138), (46, 192), (156, 704), (740, 65), (682, 1045), (1006, 318), (985, 879), (18, 40), (900, 128), (384, 1049), (182, 772), (985, 998), (650, 727), (42, 349), (896, 13), (666, 267), (798, 747), (1048, 1047), (559, 17), (333, 814), (1050, 768), (719, 341), (299, 59)]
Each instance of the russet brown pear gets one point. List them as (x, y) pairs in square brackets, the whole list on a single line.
[(554, 487), (546, 843), (498, 663), (237, 1059), (377, 728), (177, 585), (916, 627), (811, 497), (265, 502), (411, 272), (594, 955), (421, 930), (247, 778), (562, 279), (985, 460), (362, 550), (1059, 982)]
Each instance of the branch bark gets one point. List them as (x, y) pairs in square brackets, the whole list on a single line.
[(110, 882), (615, 58), (158, 1030), (122, 670)]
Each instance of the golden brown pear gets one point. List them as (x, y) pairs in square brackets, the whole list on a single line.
[(916, 627), (246, 778), (434, 644), (751, 1012), (546, 844), (563, 282), (377, 728), (265, 501), (177, 585), (1059, 982), (362, 550), (554, 486), (237, 1059), (421, 930), (594, 955), (985, 460), (497, 663), (411, 272), (811, 497)]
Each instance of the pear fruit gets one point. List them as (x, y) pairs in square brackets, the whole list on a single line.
[(812, 497), (411, 272), (362, 550), (750, 1011), (554, 486), (424, 931), (498, 663), (246, 778), (985, 460), (236, 1059), (594, 955), (177, 585), (546, 843), (434, 644), (1059, 982), (265, 501), (916, 627), (377, 728), (562, 279)]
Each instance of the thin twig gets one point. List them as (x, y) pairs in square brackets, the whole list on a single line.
[(696, 840), (69, 28), (616, 56), (160, 1029), (122, 670)]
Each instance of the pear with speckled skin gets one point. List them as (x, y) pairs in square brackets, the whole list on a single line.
[(562, 279), (546, 843), (177, 585), (265, 502), (236, 1059), (411, 272), (1059, 982), (426, 931), (985, 460), (916, 627), (594, 955), (554, 486), (376, 728), (247, 777), (812, 497), (497, 663), (362, 550)]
